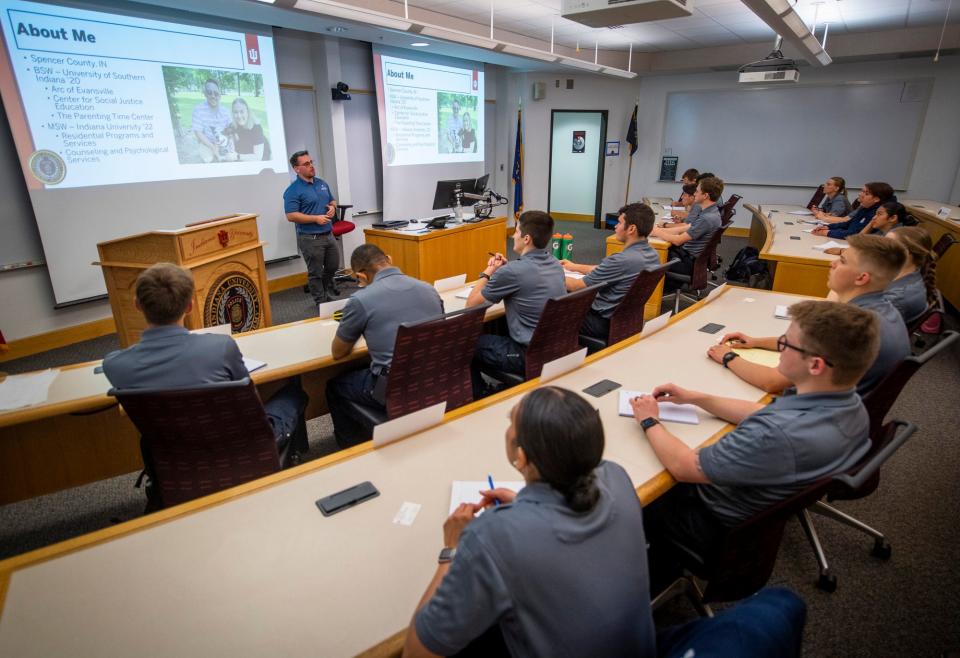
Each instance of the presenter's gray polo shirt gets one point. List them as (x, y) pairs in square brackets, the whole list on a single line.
[(773, 453), (703, 224), (908, 294), (894, 341), (525, 285), (559, 583), (376, 311), (838, 206), (636, 258)]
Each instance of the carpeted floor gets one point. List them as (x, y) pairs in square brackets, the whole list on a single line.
[(906, 606)]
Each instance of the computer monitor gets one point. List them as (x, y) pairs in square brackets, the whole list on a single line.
[(481, 184), (445, 196)]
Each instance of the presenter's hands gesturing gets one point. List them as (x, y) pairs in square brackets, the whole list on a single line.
[(331, 210)]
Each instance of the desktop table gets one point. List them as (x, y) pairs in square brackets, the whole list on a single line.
[(652, 307), (80, 435), (948, 270), (256, 570), (796, 266), (444, 252)]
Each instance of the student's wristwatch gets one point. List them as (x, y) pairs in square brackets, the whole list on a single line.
[(728, 357), (648, 422), (446, 555), (483, 275)]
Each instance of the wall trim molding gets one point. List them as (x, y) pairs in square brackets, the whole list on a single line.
[(572, 217)]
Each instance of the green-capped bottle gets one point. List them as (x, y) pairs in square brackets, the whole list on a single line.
[(557, 245)]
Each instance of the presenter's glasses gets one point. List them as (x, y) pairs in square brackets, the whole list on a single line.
[(782, 344)]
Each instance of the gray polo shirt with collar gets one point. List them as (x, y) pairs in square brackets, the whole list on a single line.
[(377, 311), (559, 583), (638, 257), (908, 294), (524, 285), (703, 224), (773, 453), (838, 206), (894, 341)]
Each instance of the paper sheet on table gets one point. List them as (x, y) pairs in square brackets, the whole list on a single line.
[(253, 364), (655, 324), (468, 491), (669, 208), (450, 283), (758, 356), (781, 311), (18, 391), (465, 293), (573, 275), (800, 212), (669, 412), (830, 244), (222, 329), (327, 309)]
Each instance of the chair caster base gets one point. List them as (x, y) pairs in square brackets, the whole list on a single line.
[(827, 582), (881, 549)]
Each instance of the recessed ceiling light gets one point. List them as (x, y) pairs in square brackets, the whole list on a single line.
[(420, 44)]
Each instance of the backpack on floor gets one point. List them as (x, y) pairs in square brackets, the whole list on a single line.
[(747, 267)]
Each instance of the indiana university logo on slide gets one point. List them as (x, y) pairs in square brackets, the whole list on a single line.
[(234, 299)]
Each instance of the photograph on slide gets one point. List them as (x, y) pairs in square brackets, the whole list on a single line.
[(456, 122)]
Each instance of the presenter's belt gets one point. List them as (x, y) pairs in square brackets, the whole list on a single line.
[(314, 236)]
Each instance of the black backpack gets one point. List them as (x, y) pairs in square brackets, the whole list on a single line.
[(747, 267)]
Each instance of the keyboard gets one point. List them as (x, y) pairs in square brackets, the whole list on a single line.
[(394, 223)]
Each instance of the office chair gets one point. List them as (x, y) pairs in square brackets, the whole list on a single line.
[(556, 333), (727, 213), (816, 198), (627, 318), (699, 279), (943, 245), (431, 364), (198, 440)]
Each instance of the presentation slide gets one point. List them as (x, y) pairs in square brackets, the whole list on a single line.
[(126, 124), (430, 113)]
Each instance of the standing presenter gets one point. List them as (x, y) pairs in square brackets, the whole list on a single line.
[(309, 204)]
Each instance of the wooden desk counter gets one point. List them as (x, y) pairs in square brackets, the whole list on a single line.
[(79, 435), (652, 308), (948, 270), (256, 570), (796, 266), (447, 252)]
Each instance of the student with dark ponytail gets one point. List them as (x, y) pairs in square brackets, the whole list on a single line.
[(556, 569), (915, 288)]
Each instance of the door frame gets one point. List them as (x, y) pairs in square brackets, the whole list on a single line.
[(601, 153)]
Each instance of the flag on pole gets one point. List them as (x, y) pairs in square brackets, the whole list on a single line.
[(632, 132), (518, 170)]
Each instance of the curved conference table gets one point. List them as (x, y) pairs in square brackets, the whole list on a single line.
[(256, 570)]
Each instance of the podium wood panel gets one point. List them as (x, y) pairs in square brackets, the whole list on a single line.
[(439, 254)]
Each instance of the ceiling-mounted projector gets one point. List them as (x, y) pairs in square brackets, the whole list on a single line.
[(772, 68), (606, 13)]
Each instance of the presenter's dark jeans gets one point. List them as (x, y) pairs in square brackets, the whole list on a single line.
[(322, 257), (596, 326), (355, 386), (284, 411), (496, 353)]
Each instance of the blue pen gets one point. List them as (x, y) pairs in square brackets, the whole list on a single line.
[(490, 482)]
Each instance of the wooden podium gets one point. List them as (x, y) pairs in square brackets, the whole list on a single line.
[(225, 257)]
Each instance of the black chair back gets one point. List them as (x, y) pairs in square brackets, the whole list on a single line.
[(558, 329), (943, 245), (816, 198)]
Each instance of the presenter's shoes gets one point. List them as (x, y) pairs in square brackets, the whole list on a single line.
[(335, 291)]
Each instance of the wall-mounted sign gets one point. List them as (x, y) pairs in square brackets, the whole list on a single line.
[(613, 148), (668, 168), (579, 141)]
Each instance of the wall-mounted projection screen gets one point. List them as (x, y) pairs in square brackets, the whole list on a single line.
[(799, 135), (431, 127), (124, 124)]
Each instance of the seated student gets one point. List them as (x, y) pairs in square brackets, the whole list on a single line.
[(633, 226), (871, 196), (858, 278), (689, 240), (835, 202), (915, 288), (686, 200), (556, 569), (889, 216), (777, 449), (708, 174), (387, 299), (169, 356), (524, 285), (689, 178)]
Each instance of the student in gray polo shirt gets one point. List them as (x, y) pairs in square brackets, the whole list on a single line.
[(388, 299), (557, 569), (633, 226), (524, 285), (915, 288), (775, 450), (689, 239), (858, 277)]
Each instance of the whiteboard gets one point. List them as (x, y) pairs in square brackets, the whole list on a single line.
[(20, 241), (799, 135), (363, 146)]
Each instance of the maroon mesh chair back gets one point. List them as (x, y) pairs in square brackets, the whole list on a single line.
[(729, 210), (816, 198), (943, 245), (431, 362), (196, 441), (627, 317), (701, 265), (558, 330)]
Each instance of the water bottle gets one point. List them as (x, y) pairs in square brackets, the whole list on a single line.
[(567, 247), (557, 245)]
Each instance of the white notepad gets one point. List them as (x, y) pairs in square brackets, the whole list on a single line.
[(830, 244), (573, 275), (465, 293), (253, 364), (468, 491), (18, 391), (800, 212), (670, 412)]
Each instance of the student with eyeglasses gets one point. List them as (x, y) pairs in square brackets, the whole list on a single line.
[(857, 278), (814, 430)]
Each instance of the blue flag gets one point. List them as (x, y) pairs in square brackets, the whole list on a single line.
[(632, 132), (518, 171)]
